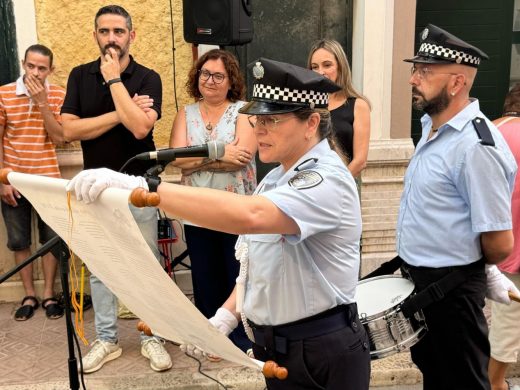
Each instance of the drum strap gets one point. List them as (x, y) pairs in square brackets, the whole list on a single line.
[(436, 291), (386, 268)]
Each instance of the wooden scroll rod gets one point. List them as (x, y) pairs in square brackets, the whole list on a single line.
[(143, 198), (139, 196)]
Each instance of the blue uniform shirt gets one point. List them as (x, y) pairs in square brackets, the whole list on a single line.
[(454, 189), (291, 277)]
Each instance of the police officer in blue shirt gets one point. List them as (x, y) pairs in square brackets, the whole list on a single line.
[(299, 243), (455, 212)]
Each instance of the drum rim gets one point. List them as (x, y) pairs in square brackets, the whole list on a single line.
[(383, 277)]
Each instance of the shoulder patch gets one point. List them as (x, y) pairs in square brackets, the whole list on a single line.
[(305, 179)]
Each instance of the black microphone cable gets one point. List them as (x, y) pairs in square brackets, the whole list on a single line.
[(122, 169)]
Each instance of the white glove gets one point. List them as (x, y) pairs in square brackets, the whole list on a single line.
[(498, 285), (90, 183), (224, 321)]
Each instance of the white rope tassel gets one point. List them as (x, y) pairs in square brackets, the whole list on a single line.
[(242, 255), (247, 328)]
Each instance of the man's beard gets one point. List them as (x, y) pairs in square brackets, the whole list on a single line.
[(433, 106), (119, 50)]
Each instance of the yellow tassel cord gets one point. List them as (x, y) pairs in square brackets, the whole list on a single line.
[(79, 324)]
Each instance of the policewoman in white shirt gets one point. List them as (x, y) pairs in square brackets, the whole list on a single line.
[(299, 243)]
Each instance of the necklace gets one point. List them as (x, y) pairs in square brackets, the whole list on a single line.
[(209, 125)]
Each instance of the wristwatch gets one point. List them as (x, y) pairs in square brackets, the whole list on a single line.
[(113, 81)]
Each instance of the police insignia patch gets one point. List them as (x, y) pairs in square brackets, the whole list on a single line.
[(305, 179)]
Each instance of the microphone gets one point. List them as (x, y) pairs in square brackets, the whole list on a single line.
[(213, 150)]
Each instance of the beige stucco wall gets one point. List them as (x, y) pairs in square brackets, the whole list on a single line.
[(67, 26)]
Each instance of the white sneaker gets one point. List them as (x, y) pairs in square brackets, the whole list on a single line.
[(154, 350), (100, 353)]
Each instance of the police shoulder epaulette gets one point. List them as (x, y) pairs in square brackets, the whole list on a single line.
[(309, 163), (483, 132)]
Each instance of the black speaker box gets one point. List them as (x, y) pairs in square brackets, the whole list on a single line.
[(217, 22)]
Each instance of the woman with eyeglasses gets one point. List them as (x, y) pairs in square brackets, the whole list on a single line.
[(217, 85), (350, 110), (299, 236)]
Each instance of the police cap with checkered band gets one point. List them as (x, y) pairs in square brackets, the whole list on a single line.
[(280, 87), (440, 47)]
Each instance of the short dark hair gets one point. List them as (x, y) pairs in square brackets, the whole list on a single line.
[(512, 102), (237, 86), (43, 50), (114, 10)]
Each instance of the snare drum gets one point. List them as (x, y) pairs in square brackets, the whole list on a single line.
[(379, 300)]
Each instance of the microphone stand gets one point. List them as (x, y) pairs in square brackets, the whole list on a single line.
[(57, 243), (152, 175), (73, 363)]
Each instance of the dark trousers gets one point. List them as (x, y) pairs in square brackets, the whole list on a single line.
[(338, 360), (454, 353), (214, 270)]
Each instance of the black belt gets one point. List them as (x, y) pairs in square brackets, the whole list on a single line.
[(448, 278), (275, 338)]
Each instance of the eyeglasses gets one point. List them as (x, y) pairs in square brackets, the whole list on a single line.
[(424, 71), (266, 121), (217, 77)]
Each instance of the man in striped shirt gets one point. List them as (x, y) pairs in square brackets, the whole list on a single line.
[(30, 127)]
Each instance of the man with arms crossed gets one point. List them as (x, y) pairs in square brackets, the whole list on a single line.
[(112, 105)]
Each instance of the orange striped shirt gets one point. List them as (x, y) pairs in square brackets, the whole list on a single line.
[(27, 146)]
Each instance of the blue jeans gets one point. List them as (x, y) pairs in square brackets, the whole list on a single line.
[(104, 301)]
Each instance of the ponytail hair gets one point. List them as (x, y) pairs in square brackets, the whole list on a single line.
[(325, 129)]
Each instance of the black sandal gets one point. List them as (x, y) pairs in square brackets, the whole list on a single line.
[(53, 310), (24, 312)]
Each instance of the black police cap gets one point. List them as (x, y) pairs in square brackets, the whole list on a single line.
[(440, 47), (280, 87)]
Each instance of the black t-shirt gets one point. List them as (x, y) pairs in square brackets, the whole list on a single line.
[(88, 96), (343, 124)]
